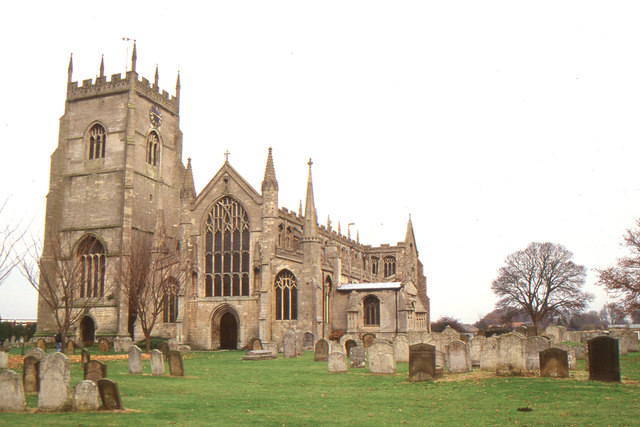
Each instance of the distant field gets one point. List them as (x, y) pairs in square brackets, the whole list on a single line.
[(221, 389)]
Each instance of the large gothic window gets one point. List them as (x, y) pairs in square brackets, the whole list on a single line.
[(389, 266), (92, 267), (227, 240), (153, 148), (326, 301), (286, 289), (97, 142), (371, 306), (170, 302)]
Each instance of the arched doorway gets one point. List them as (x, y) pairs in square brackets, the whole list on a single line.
[(228, 331), (87, 331), (225, 327)]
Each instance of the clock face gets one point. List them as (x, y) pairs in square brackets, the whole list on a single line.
[(155, 116)]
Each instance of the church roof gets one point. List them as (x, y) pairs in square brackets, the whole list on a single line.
[(370, 286)]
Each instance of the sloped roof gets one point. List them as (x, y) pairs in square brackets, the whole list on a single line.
[(370, 286)]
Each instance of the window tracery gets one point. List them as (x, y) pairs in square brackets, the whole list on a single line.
[(170, 302), (153, 148), (374, 265), (326, 301), (389, 266), (92, 264), (286, 289), (97, 142), (371, 309)]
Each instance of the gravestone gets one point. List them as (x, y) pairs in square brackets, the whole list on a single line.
[(554, 363), (381, 358), (343, 341), (401, 348), (307, 340), (555, 333), (512, 360), (490, 354), (337, 363), (84, 356), (117, 345), (358, 357), (475, 349), (534, 345), (299, 342), (37, 353), (259, 355), (125, 344), (367, 340), (42, 345), (71, 347), (157, 362), (321, 351), (164, 348), (176, 368), (289, 344), (451, 333), (95, 370), (458, 359), (571, 354), (86, 396), (135, 360), (348, 345), (11, 392), (256, 344), (4, 359), (422, 362), (103, 345), (54, 382), (604, 359), (31, 374), (631, 339), (109, 394)]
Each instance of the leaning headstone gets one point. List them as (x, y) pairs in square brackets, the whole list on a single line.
[(604, 359), (4, 359), (348, 345), (307, 340), (164, 348), (337, 363), (512, 360), (490, 354), (534, 345), (31, 374), (103, 345), (95, 370), (475, 349), (422, 362), (157, 362), (54, 382), (42, 345), (176, 368), (86, 396), (458, 359), (401, 348), (109, 394), (321, 351), (367, 340), (554, 363), (358, 357), (381, 358), (71, 347), (36, 352), (289, 344), (12, 392), (125, 344), (135, 360), (84, 356)]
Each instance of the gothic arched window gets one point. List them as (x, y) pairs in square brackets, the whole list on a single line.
[(326, 301), (153, 148), (227, 241), (91, 257), (170, 302), (389, 266), (371, 308), (286, 289), (374, 265), (97, 142)]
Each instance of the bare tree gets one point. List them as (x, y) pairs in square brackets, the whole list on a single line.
[(612, 314), (623, 281), (150, 279), (68, 279), (541, 281), (10, 235)]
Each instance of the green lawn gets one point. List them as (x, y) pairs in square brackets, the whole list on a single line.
[(220, 388)]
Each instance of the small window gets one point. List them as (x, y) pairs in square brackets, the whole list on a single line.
[(371, 307), (389, 266), (97, 142), (374, 265), (153, 149)]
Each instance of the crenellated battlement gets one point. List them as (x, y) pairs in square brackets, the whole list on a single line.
[(101, 86)]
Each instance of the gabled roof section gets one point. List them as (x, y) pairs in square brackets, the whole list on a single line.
[(269, 180), (188, 189), (380, 286), (410, 236), (228, 171)]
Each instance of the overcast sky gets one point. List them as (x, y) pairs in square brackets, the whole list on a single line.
[(493, 124)]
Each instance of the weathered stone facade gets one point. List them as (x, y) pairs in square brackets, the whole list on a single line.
[(257, 269)]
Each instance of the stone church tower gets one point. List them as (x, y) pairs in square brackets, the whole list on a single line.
[(257, 269)]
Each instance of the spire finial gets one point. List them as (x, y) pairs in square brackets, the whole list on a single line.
[(226, 156), (155, 79), (134, 57), (102, 66), (310, 219), (310, 163), (269, 180), (70, 69)]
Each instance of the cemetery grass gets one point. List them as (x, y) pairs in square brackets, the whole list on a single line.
[(222, 389)]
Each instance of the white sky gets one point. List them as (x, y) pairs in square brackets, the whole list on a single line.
[(493, 124)]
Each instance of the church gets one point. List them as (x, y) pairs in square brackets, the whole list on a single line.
[(257, 269)]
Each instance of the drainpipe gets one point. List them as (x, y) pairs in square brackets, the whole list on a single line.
[(396, 313)]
